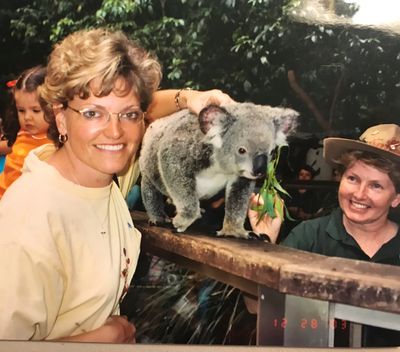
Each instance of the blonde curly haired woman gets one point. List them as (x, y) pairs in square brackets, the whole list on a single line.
[(68, 247)]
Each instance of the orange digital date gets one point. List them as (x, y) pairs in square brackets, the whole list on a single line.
[(310, 323)]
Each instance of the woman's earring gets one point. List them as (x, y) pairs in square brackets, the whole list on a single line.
[(62, 138)]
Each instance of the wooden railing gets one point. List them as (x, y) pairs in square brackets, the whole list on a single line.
[(39, 346), (297, 294)]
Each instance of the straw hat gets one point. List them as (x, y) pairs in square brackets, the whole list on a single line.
[(383, 140)]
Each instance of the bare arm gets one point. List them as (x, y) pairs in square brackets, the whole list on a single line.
[(117, 329), (163, 103), (4, 148)]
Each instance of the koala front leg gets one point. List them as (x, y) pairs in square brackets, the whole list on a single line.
[(153, 201), (236, 204), (176, 167), (187, 208), (184, 196)]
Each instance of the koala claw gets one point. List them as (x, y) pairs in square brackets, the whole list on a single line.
[(235, 233), (253, 236), (259, 236), (152, 223), (181, 224), (166, 222)]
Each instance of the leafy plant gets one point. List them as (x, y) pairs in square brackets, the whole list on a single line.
[(244, 47), (270, 193)]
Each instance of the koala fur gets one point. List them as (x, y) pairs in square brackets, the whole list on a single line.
[(187, 159)]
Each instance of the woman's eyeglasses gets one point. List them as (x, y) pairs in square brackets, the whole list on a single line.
[(100, 116)]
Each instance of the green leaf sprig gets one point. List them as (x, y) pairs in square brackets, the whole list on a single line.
[(270, 191)]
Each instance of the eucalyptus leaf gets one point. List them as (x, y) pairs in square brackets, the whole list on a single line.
[(269, 205), (287, 214), (279, 188), (273, 204), (279, 206)]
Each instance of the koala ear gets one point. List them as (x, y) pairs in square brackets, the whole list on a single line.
[(211, 116), (285, 124)]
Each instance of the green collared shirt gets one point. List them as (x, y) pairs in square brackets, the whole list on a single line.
[(327, 236)]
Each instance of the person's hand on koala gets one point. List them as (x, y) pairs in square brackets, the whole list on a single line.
[(196, 101), (167, 101)]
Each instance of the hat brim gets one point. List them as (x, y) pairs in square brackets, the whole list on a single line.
[(335, 147)]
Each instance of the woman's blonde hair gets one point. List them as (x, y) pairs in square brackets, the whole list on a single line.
[(96, 59)]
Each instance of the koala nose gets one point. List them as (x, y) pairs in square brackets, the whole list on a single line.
[(260, 162)]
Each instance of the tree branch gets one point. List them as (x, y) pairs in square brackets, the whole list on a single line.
[(336, 95), (322, 121)]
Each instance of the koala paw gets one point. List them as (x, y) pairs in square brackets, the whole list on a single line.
[(259, 236), (165, 222), (237, 232), (181, 223)]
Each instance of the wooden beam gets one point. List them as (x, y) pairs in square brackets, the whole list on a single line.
[(289, 271)]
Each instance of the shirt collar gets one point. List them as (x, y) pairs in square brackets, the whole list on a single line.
[(337, 231), (335, 227)]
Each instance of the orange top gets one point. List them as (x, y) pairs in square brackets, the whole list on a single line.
[(24, 143)]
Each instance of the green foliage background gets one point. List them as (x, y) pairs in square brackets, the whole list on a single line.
[(244, 47)]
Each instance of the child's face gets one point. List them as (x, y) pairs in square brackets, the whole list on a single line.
[(30, 114), (305, 175)]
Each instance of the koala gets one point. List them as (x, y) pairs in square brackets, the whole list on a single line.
[(189, 159)]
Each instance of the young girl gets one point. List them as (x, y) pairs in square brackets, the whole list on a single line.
[(25, 127)]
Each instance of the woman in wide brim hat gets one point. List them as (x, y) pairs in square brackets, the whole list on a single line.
[(359, 228), (383, 140)]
